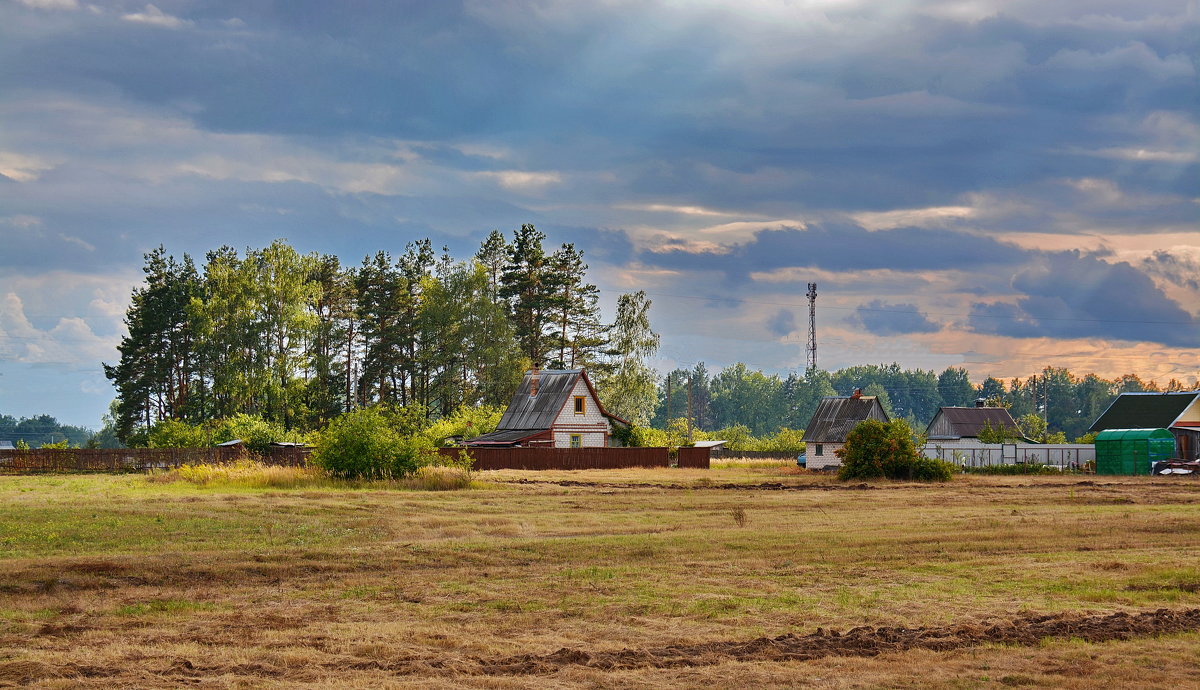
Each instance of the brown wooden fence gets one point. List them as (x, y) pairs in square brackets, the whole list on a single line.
[(135, 459), (694, 458), (563, 458)]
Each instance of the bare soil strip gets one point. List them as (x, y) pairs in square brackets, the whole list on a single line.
[(861, 641), (763, 486)]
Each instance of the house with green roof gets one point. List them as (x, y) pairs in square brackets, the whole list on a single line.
[(1177, 412)]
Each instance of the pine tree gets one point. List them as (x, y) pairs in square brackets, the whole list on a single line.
[(527, 286)]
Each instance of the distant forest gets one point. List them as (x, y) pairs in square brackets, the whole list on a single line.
[(296, 340), (765, 403)]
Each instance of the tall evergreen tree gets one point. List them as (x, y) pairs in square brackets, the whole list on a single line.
[(155, 375), (528, 287)]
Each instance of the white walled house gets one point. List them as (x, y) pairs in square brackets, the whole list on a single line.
[(832, 421), (555, 408)]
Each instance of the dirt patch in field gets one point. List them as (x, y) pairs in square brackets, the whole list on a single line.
[(862, 641)]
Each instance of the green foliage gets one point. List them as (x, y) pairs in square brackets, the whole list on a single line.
[(466, 422), (60, 445), (1024, 468), (255, 432), (874, 449), (172, 433), (1089, 437), (21, 444), (635, 436), (998, 434), (627, 384), (370, 444)]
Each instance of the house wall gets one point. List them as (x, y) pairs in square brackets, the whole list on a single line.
[(827, 457), (940, 426), (591, 425), (1192, 413)]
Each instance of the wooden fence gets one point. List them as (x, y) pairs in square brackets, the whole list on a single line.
[(696, 458), (136, 459), (563, 458)]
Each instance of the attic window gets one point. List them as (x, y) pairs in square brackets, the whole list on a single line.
[(580, 405)]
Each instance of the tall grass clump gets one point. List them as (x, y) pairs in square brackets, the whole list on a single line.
[(245, 473)]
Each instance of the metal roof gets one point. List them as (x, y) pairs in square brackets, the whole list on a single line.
[(539, 411), (836, 416), (503, 437), (969, 421), (1144, 410)]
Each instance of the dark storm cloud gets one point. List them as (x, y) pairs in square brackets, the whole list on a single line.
[(845, 247), (881, 318), (782, 323), (1073, 295)]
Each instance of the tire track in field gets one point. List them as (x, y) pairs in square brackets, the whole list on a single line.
[(862, 641)]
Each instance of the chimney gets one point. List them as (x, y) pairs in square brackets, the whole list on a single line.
[(980, 402), (533, 381), (857, 394)]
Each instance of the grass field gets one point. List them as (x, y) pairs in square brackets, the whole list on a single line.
[(646, 577)]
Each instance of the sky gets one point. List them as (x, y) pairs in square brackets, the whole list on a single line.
[(1000, 185)]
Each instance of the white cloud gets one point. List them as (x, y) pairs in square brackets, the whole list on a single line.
[(69, 342), (910, 217), (21, 167), (155, 17), (522, 180), (51, 4)]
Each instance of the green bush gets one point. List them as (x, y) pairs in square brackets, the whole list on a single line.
[(366, 444), (874, 449), (255, 432), (467, 422), (173, 433), (1024, 468)]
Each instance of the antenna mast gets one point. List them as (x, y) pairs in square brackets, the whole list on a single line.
[(812, 326)]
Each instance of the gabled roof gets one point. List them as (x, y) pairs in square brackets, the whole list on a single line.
[(1144, 410), (506, 437), (968, 421), (836, 416), (539, 411)]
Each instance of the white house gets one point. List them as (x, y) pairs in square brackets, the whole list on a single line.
[(553, 409), (833, 419)]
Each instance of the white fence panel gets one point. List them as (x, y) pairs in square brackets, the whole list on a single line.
[(986, 454)]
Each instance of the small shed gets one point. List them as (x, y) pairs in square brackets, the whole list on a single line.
[(1132, 451)]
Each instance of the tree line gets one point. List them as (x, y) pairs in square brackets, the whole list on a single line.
[(763, 403), (299, 339)]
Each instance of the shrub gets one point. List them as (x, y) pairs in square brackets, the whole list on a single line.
[(257, 433), (1026, 468), (365, 444), (874, 449), (467, 422), (173, 433)]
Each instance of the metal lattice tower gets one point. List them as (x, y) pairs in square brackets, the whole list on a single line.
[(812, 326)]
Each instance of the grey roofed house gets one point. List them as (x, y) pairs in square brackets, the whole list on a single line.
[(837, 415), (832, 421), (7, 445), (967, 422), (539, 414)]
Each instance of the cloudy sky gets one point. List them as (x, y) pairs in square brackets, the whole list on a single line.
[(995, 184)]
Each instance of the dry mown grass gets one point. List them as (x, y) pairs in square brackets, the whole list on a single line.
[(117, 581)]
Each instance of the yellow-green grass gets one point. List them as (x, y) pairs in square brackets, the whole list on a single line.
[(118, 580)]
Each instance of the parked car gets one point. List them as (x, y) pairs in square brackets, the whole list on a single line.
[(802, 460)]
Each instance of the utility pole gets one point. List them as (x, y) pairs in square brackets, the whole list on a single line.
[(689, 407), (667, 424), (812, 327)]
